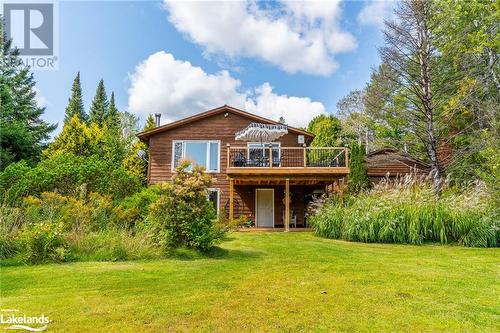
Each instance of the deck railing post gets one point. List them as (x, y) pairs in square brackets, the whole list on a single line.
[(231, 199), (305, 156), (287, 204), (270, 155), (228, 155), (346, 151)]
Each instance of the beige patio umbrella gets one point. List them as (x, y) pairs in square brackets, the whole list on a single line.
[(258, 132), (263, 133)]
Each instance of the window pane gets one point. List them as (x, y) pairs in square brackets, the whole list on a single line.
[(177, 153), (196, 152), (214, 198), (214, 156)]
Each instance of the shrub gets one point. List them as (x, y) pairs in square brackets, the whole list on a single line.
[(90, 213), (411, 215), (183, 217), (358, 179), (43, 242), (133, 210), (66, 173), (55, 228)]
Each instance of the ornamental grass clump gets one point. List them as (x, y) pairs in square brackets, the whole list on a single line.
[(407, 212)]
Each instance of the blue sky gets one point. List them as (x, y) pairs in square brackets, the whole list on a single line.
[(191, 60)]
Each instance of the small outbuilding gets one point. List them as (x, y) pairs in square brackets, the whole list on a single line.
[(391, 162)]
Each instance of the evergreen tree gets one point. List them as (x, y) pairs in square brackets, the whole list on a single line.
[(358, 179), (75, 102), (99, 109), (113, 116), (75, 138), (22, 131), (150, 123)]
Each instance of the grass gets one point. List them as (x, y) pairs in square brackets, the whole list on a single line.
[(293, 282), (407, 212)]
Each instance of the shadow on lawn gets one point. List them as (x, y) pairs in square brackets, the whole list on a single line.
[(214, 253)]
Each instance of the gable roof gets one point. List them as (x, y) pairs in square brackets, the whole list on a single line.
[(225, 108), (392, 154)]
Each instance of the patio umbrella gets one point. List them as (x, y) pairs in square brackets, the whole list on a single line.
[(258, 132)]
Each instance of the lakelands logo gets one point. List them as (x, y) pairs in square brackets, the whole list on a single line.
[(16, 321), (33, 28)]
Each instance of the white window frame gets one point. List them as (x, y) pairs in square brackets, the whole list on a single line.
[(263, 143), (214, 189), (207, 163)]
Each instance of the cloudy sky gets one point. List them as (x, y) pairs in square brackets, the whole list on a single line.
[(290, 59)]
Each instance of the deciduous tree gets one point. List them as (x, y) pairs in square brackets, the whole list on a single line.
[(327, 130), (410, 54)]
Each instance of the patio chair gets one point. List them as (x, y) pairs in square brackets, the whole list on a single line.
[(239, 160), (293, 219)]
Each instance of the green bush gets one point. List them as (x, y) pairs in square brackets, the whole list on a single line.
[(43, 242), (133, 210), (358, 179), (183, 217), (89, 213), (66, 173), (411, 216)]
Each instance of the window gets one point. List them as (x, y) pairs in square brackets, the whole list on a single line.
[(213, 196), (202, 153), (260, 151)]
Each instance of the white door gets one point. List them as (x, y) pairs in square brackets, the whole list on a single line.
[(265, 207)]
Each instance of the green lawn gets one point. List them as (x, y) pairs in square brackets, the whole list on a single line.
[(292, 282)]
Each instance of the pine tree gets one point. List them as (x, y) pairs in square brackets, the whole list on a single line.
[(150, 123), (99, 109), (75, 102), (113, 116), (358, 173), (22, 131)]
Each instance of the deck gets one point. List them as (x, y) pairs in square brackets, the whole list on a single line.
[(271, 164), (301, 165)]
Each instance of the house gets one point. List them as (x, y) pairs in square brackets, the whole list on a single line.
[(252, 179), (391, 163)]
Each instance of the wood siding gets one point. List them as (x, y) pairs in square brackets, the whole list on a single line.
[(221, 127), (392, 163)]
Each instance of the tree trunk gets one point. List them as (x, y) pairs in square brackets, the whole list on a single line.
[(424, 58)]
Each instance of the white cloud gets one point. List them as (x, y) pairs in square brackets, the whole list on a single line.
[(294, 36), (297, 111), (40, 100), (177, 89), (375, 12)]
